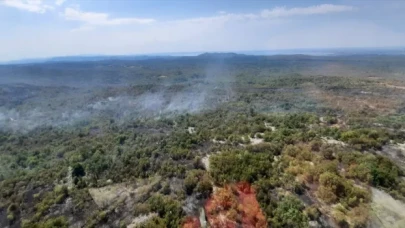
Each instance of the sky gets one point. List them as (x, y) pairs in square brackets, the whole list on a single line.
[(47, 28)]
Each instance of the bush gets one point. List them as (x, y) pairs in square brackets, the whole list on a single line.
[(312, 212), (332, 187), (316, 145), (327, 194), (102, 216), (324, 166), (10, 217), (271, 148), (376, 170), (191, 180), (141, 209), (340, 218), (384, 173), (168, 209), (357, 196), (59, 222), (328, 153), (204, 186), (363, 139), (289, 213), (291, 150), (240, 166), (78, 170), (155, 222), (12, 208), (331, 120)]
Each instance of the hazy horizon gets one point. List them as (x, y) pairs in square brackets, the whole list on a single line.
[(48, 28), (295, 51)]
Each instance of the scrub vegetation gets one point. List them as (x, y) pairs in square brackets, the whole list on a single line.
[(223, 139)]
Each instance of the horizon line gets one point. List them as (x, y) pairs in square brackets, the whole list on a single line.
[(196, 53)]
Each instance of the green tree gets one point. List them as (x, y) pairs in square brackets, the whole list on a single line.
[(289, 213)]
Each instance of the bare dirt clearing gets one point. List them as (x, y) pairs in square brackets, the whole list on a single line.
[(386, 211), (141, 219), (108, 195)]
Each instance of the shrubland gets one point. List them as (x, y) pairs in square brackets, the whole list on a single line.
[(311, 145)]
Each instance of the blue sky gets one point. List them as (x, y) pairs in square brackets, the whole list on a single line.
[(45, 28)]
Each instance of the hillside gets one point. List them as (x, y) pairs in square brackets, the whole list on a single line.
[(222, 139)]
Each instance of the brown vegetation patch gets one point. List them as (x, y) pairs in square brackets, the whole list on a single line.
[(233, 206), (191, 222), (354, 103)]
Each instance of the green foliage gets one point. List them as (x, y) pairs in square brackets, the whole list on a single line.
[(192, 179), (328, 152), (57, 196), (168, 209), (141, 209), (11, 217), (323, 167), (376, 170), (98, 163), (12, 208), (78, 170), (334, 188), (384, 173), (57, 222), (300, 120), (11, 211), (289, 213), (271, 148), (331, 120), (340, 218), (312, 212), (204, 186), (240, 166), (331, 188), (124, 148), (198, 181), (363, 139), (155, 222)]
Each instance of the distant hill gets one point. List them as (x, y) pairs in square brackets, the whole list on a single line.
[(288, 53), (102, 58), (80, 58), (220, 55)]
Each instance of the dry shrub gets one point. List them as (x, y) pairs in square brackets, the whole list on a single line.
[(327, 194), (359, 216)]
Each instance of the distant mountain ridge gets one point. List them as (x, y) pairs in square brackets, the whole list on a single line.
[(220, 55), (86, 58), (287, 52)]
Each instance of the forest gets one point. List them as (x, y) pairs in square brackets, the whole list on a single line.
[(218, 140)]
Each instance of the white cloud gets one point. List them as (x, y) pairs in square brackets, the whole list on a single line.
[(91, 18), (311, 10), (59, 2), (35, 6), (276, 13)]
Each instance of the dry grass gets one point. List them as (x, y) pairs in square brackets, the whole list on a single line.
[(373, 102), (108, 195)]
